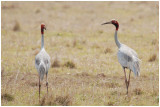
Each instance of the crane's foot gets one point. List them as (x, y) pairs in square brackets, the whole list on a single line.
[(127, 89), (39, 91), (127, 86), (47, 88)]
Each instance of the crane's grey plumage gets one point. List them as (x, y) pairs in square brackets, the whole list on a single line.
[(127, 57), (42, 61)]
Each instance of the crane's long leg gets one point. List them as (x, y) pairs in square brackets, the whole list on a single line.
[(129, 78), (126, 80), (47, 82), (39, 88)]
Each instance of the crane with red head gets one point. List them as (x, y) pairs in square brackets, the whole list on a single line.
[(127, 57), (42, 61)]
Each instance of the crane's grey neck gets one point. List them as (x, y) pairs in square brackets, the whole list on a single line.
[(116, 39), (42, 42)]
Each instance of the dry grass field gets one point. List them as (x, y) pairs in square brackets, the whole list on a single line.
[(84, 65)]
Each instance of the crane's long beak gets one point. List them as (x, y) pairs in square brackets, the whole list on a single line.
[(106, 23)]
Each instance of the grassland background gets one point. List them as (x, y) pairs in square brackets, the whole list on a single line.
[(85, 69)]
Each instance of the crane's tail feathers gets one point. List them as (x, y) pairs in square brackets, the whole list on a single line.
[(41, 71), (137, 59), (136, 68)]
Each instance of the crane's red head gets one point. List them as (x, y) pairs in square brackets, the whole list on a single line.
[(114, 22), (42, 28)]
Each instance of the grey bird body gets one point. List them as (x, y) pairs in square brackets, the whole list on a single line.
[(42, 63), (127, 57)]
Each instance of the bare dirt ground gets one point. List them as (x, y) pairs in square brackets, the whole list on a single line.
[(84, 69)]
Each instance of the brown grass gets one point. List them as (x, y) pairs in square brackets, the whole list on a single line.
[(109, 84), (108, 50), (37, 11), (83, 74), (74, 43), (70, 64), (152, 58), (110, 103), (101, 75), (63, 100), (7, 97), (138, 91), (8, 6), (16, 26), (154, 42), (42, 103), (55, 63)]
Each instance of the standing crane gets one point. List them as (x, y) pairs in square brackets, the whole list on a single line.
[(127, 57), (42, 61)]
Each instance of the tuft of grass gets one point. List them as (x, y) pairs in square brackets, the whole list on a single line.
[(66, 6), (110, 103), (33, 84), (100, 31), (48, 102), (70, 64), (154, 41), (83, 74), (157, 99), (38, 11), (108, 85), (132, 19), (138, 91), (111, 84), (16, 26), (107, 50), (101, 75), (8, 6), (43, 101), (96, 46), (66, 34), (63, 100), (2, 72), (114, 93), (74, 43), (152, 58), (7, 97), (67, 45), (56, 63)]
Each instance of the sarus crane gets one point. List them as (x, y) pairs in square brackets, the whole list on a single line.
[(42, 61), (127, 57)]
